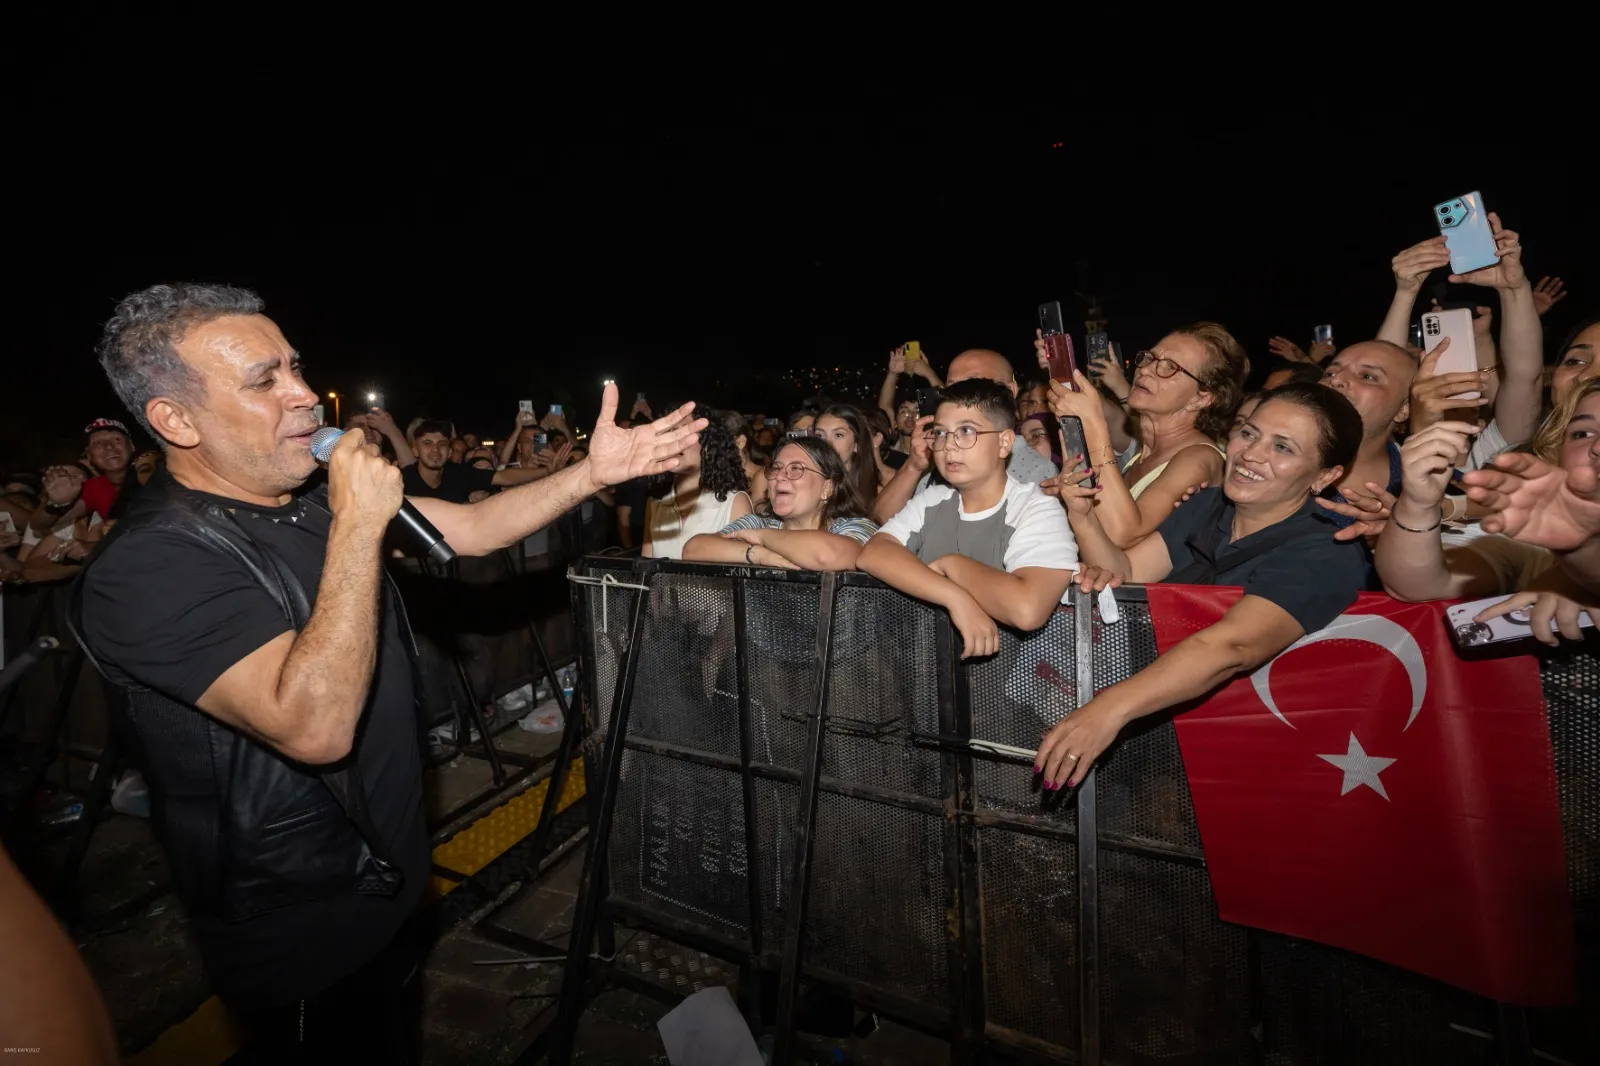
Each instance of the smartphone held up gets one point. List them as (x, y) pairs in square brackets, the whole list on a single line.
[(1461, 357), (1058, 344), (1464, 222), (1063, 369)]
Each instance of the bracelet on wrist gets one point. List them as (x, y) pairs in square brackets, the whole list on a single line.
[(1437, 522)]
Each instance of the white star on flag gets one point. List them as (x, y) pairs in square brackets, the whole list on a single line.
[(1359, 768)]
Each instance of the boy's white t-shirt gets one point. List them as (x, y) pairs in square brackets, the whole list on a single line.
[(1026, 528)]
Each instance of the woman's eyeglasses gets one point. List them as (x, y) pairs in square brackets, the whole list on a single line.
[(1164, 367), (964, 436), (790, 471)]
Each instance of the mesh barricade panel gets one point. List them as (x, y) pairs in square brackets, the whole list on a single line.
[(1572, 701), (781, 650), (1175, 982), (1030, 935), (882, 685), (685, 690), (1326, 1007), (1017, 696), (1143, 792), (678, 844), (876, 911)]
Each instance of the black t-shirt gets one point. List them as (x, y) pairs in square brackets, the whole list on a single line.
[(1313, 577), (457, 482), (173, 617)]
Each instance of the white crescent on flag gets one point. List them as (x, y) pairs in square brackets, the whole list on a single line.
[(1372, 628)]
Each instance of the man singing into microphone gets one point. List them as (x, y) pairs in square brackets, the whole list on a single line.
[(267, 664)]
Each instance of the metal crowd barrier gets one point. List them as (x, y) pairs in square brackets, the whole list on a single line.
[(782, 781)]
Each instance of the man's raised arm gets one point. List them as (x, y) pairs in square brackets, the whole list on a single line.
[(615, 455)]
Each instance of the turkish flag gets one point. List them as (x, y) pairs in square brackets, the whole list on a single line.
[(1370, 790)]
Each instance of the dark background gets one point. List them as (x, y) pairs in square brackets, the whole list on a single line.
[(463, 222)]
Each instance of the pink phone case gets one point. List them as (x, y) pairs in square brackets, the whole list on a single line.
[(1462, 355)]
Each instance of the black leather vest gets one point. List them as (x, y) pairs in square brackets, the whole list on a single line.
[(246, 829)]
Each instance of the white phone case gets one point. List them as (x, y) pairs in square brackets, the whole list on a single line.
[(1513, 626), (1462, 355)]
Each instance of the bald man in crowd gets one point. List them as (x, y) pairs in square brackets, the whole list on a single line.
[(1024, 465)]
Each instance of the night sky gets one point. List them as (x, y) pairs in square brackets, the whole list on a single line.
[(460, 230)]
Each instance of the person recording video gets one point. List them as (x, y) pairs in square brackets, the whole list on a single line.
[(1259, 530)]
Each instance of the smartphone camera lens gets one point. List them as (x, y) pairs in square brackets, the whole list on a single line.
[(1445, 210), (1473, 634)]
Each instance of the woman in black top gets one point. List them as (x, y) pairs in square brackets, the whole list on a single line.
[(1259, 530)]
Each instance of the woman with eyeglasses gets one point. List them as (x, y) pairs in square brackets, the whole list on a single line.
[(814, 519), (1184, 394)]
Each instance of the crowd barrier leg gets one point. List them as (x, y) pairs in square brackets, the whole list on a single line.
[(1516, 1042), (592, 881), (37, 765), (964, 949), (475, 720), (794, 931), (1088, 849), (572, 727), (572, 731), (752, 977), (102, 775), (35, 624)]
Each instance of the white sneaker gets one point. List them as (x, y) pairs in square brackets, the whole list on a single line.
[(131, 796), (516, 700)]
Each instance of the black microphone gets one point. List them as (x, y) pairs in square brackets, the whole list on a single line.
[(421, 531)]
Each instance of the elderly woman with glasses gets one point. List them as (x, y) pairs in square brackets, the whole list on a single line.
[(1184, 394), (814, 517)]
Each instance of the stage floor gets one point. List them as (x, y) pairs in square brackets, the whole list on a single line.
[(136, 942)]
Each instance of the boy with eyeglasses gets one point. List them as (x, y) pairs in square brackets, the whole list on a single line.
[(984, 546)]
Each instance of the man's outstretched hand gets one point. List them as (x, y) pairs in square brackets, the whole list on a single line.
[(1537, 503), (618, 454)]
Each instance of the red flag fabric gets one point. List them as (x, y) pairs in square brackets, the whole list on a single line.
[(1371, 790)]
